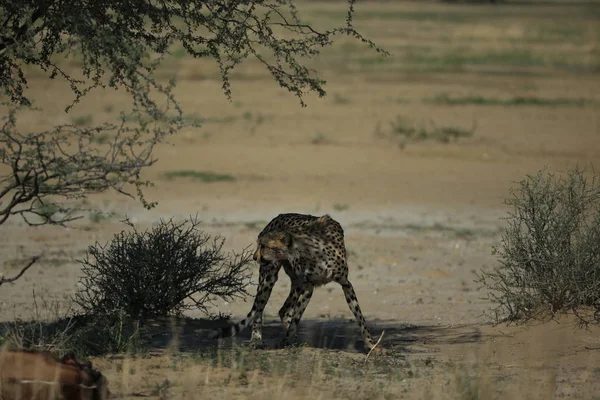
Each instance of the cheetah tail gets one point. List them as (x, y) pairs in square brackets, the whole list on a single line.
[(233, 330)]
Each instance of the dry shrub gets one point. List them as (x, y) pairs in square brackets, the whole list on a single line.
[(159, 272), (549, 256)]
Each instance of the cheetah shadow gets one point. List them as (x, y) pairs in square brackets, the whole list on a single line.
[(186, 334)]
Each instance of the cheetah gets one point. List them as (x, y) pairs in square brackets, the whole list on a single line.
[(312, 252)]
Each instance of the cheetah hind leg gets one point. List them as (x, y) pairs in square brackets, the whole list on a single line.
[(358, 315)]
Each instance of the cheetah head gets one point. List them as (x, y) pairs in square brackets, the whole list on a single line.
[(274, 247)]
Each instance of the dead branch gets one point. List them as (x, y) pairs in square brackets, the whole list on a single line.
[(25, 268)]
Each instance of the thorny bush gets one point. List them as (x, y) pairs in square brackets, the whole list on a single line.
[(549, 256), (159, 272)]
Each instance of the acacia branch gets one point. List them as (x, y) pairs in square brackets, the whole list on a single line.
[(22, 30), (117, 43), (114, 39), (23, 270), (66, 162)]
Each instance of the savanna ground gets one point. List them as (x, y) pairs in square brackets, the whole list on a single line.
[(491, 92)]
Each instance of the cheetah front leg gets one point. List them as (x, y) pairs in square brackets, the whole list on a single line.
[(355, 308), (267, 278), (286, 313), (306, 292)]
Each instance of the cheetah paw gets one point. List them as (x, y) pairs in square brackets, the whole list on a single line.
[(286, 342), (257, 345)]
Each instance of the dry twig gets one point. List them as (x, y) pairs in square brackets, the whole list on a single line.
[(25, 268)]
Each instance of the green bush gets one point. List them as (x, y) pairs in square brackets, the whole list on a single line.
[(159, 272), (549, 256)]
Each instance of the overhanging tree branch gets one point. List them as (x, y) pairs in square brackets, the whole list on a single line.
[(115, 39), (67, 162), (44, 175), (25, 268)]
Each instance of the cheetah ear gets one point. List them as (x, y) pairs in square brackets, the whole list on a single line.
[(323, 219), (286, 239)]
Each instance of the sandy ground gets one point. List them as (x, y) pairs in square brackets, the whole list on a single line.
[(420, 221)]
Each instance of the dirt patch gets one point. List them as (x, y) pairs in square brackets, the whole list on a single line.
[(465, 361), (420, 220)]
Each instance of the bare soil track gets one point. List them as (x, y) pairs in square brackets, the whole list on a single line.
[(420, 221)]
